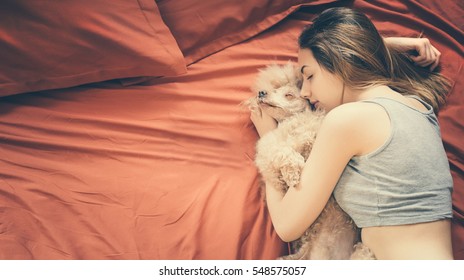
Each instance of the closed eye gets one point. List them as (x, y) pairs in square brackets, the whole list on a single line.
[(309, 77), (289, 96)]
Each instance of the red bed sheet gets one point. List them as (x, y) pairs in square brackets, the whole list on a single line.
[(161, 170), (164, 169)]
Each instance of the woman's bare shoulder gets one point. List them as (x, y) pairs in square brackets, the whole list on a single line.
[(363, 125), (355, 110), (354, 114)]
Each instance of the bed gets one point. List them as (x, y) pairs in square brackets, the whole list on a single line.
[(121, 134)]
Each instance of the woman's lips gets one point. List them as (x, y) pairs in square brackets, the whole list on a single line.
[(314, 104)]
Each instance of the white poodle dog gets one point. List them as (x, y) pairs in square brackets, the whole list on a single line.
[(281, 155)]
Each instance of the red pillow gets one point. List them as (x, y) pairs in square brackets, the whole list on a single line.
[(48, 44), (204, 27)]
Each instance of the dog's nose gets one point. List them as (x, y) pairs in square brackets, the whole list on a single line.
[(262, 94)]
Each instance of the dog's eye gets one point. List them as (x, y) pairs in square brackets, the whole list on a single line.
[(289, 96)]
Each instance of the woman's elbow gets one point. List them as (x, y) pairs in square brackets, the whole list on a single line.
[(287, 234)]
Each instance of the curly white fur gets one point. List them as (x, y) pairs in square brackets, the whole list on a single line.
[(280, 157)]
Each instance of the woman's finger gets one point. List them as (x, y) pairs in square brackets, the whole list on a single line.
[(255, 114), (427, 55), (437, 58), (422, 53)]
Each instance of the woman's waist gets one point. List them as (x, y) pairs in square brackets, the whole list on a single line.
[(380, 203), (431, 240)]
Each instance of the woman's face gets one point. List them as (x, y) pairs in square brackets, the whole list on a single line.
[(323, 89)]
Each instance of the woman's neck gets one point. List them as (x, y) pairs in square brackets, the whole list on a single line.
[(372, 92)]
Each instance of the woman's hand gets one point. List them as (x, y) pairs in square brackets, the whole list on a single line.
[(262, 121), (428, 55)]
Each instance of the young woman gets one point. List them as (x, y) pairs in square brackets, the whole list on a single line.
[(379, 149)]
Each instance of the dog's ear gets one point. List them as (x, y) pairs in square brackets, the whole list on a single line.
[(276, 83)]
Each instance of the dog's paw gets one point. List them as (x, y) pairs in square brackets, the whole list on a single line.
[(362, 252), (291, 171), (288, 257)]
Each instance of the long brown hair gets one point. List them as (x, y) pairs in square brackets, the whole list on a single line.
[(346, 43)]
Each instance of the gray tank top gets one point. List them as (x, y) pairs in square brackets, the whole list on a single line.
[(407, 180)]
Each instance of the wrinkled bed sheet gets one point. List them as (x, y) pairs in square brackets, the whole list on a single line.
[(164, 169)]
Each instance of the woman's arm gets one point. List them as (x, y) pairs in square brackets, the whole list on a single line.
[(338, 140), (428, 55)]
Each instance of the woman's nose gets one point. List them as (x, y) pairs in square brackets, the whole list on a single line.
[(305, 92)]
